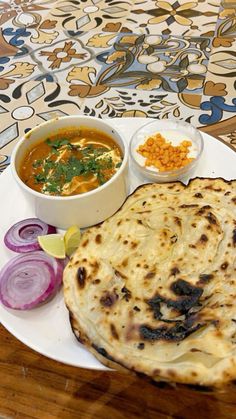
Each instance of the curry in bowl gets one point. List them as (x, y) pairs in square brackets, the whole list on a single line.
[(72, 161)]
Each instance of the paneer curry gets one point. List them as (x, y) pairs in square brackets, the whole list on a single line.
[(70, 162)]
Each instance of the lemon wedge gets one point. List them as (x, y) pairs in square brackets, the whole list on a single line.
[(53, 245), (72, 239)]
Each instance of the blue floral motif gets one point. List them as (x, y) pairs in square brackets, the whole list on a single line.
[(217, 106), (18, 33), (3, 60)]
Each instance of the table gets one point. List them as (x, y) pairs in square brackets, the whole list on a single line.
[(32, 386), (104, 58)]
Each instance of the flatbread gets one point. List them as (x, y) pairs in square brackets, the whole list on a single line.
[(153, 288)]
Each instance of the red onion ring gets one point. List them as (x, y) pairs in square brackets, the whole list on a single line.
[(30, 279), (22, 236)]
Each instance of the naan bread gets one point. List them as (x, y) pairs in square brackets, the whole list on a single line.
[(153, 288)]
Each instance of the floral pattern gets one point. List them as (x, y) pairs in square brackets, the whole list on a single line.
[(64, 54), (166, 12), (222, 66), (92, 14), (30, 104), (155, 63), (181, 17), (227, 21), (216, 105), (16, 70), (133, 58), (122, 103), (26, 13)]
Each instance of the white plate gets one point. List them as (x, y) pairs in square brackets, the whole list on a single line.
[(47, 329)]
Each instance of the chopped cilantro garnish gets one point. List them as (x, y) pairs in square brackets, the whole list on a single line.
[(70, 146), (39, 178), (48, 166), (52, 187), (58, 143), (100, 151), (79, 161), (86, 151), (101, 178), (118, 164), (37, 163)]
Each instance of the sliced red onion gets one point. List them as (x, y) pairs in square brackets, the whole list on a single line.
[(30, 279), (22, 236)]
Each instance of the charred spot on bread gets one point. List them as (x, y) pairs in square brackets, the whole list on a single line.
[(120, 274), (188, 294), (127, 293), (174, 271), (203, 238), (98, 239), (203, 210), (189, 206), (179, 332), (141, 345), (114, 331), (81, 276), (150, 275), (174, 238), (177, 221), (205, 278), (96, 281), (184, 288), (234, 237), (125, 262), (85, 243), (108, 299), (102, 352), (211, 218)]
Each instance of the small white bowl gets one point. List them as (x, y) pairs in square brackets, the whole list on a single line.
[(84, 209), (175, 132)]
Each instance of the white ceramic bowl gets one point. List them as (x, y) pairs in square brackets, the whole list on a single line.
[(85, 209), (175, 132)]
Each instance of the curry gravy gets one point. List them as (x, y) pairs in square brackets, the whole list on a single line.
[(70, 162)]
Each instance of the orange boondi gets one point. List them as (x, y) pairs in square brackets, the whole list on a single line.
[(163, 155)]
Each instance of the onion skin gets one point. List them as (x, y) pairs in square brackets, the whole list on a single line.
[(28, 280), (22, 236)]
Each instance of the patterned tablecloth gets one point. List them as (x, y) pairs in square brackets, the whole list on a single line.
[(104, 58)]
